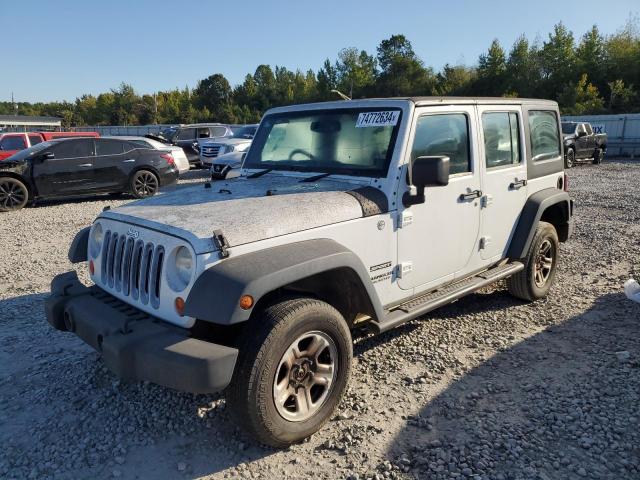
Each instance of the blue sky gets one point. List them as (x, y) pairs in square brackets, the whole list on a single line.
[(58, 50)]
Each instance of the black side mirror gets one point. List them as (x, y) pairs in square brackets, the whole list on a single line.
[(581, 133), (426, 172), (47, 156)]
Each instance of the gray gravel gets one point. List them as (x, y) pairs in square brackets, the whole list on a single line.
[(486, 388)]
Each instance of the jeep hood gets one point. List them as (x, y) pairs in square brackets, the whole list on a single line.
[(246, 210)]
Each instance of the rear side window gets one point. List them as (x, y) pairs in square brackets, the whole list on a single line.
[(446, 135), (34, 139), (588, 129), (501, 138), (543, 133), (218, 131), (12, 143), (108, 147), (73, 149), (186, 134)]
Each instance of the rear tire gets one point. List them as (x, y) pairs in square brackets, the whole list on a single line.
[(597, 156), (570, 158), (540, 264), (144, 183), (14, 194), (293, 368)]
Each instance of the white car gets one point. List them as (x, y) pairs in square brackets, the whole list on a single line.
[(240, 141), (176, 152), (227, 165)]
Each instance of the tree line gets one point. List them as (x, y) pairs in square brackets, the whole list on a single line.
[(593, 74)]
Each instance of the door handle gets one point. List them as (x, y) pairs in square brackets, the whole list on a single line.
[(86, 165), (517, 184), (470, 196), (129, 161)]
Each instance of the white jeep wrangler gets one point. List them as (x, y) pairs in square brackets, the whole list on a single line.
[(348, 214)]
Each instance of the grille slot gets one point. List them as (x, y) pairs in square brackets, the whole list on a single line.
[(132, 267), (211, 152)]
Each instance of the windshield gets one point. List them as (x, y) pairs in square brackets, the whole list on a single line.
[(348, 141), (27, 152), (568, 127), (247, 132)]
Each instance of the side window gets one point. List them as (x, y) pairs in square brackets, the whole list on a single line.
[(34, 139), (446, 134), (501, 138), (187, 134), (12, 143), (108, 147), (544, 136), (203, 133), (218, 131), (73, 149), (589, 130)]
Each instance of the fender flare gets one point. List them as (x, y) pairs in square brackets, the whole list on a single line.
[(532, 212), (79, 245), (215, 294)]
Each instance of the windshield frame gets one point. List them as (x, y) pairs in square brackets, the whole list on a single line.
[(261, 136)]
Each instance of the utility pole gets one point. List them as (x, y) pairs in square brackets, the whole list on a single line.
[(14, 104)]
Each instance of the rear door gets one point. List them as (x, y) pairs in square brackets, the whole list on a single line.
[(111, 164), (69, 172), (504, 177)]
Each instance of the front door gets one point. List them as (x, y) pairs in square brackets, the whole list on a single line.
[(69, 172), (438, 238), (505, 177)]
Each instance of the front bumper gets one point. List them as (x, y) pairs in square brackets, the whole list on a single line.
[(135, 345)]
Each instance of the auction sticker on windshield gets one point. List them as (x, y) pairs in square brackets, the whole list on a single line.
[(378, 119)]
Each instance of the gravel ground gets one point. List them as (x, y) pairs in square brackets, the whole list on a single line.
[(487, 388)]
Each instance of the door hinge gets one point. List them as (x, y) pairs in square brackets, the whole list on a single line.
[(487, 200), (220, 241), (405, 218), (405, 268), (485, 242)]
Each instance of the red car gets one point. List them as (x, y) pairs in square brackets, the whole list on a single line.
[(11, 143)]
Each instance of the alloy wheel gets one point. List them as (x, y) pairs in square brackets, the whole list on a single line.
[(145, 184), (305, 376), (12, 194), (544, 263)]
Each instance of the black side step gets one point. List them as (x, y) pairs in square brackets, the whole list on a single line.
[(425, 303)]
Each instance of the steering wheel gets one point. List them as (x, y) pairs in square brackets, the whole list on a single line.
[(301, 151)]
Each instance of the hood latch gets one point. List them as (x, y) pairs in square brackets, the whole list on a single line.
[(220, 241)]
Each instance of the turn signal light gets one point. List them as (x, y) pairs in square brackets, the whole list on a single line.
[(246, 302), (179, 304), (92, 267)]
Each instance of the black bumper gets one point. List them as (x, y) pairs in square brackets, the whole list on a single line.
[(135, 345)]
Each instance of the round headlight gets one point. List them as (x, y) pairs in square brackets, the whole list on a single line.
[(95, 240), (184, 266)]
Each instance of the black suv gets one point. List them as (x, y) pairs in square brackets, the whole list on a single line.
[(81, 166)]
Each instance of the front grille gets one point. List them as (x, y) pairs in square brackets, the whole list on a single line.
[(132, 267), (212, 151)]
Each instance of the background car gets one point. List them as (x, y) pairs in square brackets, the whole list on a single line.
[(187, 137), (82, 166), (240, 141), (178, 154), (227, 165)]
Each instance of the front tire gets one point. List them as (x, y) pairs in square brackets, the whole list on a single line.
[(13, 194), (293, 368), (570, 158), (144, 183), (540, 265)]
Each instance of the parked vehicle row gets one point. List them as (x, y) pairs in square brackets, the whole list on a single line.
[(12, 143), (581, 143), (81, 166), (352, 215)]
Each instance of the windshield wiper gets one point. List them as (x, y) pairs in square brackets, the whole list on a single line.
[(260, 173), (316, 177)]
